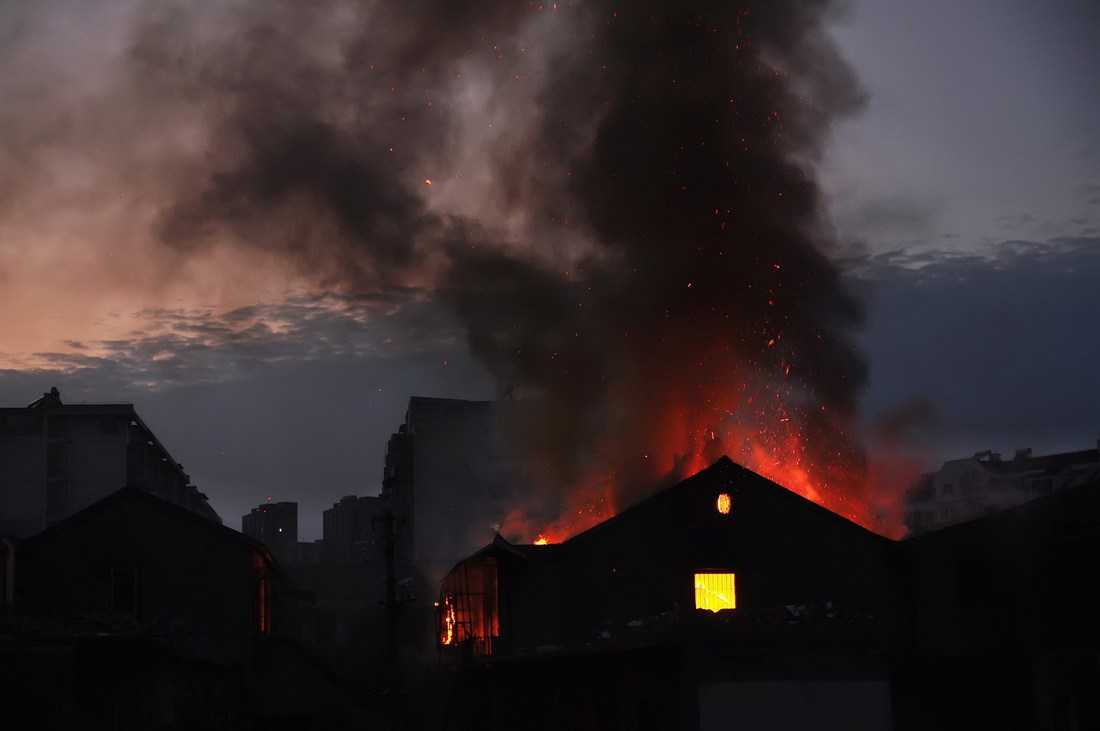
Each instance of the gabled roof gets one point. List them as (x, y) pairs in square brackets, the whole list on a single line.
[(501, 546), (722, 473), (146, 500)]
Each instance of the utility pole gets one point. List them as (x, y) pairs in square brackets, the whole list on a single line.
[(390, 599)]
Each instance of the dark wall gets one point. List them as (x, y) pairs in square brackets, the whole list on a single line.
[(22, 472), (1013, 580), (782, 549), (1003, 617), (636, 690), (99, 684)]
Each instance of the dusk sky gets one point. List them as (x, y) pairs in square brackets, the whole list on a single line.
[(181, 223)]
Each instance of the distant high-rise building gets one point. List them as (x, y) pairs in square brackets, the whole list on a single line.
[(450, 477), (276, 526), (351, 533), (58, 458), (309, 552)]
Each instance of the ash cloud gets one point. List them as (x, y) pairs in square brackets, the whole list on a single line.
[(618, 201)]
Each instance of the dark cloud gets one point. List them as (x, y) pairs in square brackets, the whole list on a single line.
[(910, 423), (623, 217), (1003, 344), (1091, 192), (1016, 221), (176, 348), (618, 205), (650, 247), (879, 215)]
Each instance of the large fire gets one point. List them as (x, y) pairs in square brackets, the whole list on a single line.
[(773, 441)]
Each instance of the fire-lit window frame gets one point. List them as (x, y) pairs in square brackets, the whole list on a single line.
[(715, 589), (467, 611), (723, 503)]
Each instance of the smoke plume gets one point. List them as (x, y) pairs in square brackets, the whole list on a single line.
[(616, 199)]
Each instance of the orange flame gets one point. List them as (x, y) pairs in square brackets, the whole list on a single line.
[(800, 446)]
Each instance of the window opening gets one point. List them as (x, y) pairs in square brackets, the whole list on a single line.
[(467, 608), (715, 591)]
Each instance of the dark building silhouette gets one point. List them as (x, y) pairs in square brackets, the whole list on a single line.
[(674, 614), (451, 475), (727, 601), (57, 458), (135, 613), (308, 552), (1003, 621), (343, 575), (7, 570), (276, 526), (345, 622), (349, 530), (135, 555)]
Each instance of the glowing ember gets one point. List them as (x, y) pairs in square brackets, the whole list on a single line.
[(724, 503)]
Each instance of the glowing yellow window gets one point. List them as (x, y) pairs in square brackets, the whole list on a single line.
[(714, 591)]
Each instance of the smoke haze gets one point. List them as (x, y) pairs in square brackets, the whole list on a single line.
[(617, 202)]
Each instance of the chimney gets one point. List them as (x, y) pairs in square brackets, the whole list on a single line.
[(1022, 454)]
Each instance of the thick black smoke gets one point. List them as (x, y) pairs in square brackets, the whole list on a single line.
[(617, 199)]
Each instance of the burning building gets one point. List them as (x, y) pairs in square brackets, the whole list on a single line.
[(724, 596), (728, 598)]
